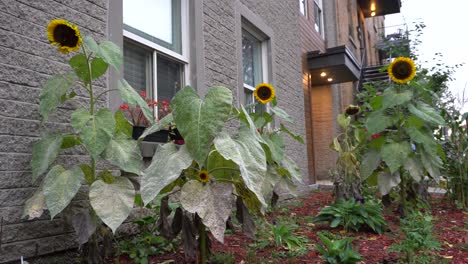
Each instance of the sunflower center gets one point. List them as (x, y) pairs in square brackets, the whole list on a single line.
[(352, 110), (203, 176), (65, 35), (401, 70), (264, 93)]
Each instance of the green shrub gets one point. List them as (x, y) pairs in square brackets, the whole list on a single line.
[(353, 215), (337, 251), (284, 235)]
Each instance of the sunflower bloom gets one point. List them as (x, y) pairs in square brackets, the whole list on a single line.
[(264, 93), (203, 176), (402, 70), (64, 35), (352, 110)]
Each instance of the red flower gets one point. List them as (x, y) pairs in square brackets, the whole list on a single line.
[(124, 107), (155, 102), (377, 135), (165, 103), (179, 142), (142, 93)]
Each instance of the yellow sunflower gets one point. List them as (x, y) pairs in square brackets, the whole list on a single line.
[(203, 176), (264, 93), (64, 35), (402, 70)]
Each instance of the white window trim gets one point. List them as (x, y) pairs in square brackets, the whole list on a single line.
[(158, 49), (304, 4)]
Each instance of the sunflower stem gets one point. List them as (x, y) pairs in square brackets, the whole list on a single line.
[(202, 243), (104, 92)]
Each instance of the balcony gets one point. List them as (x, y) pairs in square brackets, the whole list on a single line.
[(336, 65), (372, 8)]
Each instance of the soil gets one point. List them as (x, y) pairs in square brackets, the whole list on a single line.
[(450, 227)]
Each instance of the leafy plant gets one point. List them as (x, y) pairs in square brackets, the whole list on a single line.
[(419, 243), (337, 251), (353, 215), (284, 236), (144, 245), (103, 135), (222, 258)]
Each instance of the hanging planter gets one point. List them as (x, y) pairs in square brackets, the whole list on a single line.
[(159, 136)]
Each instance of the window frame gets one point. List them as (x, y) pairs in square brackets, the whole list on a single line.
[(321, 30), (158, 50), (303, 8)]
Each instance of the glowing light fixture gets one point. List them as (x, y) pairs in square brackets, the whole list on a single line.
[(372, 14), (323, 74), (330, 79), (372, 7)]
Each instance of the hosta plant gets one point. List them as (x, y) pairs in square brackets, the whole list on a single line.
[(353, 215), (96, 132), (402, 149), (335, 250)]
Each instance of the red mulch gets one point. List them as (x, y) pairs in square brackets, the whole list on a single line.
[(449, 227)]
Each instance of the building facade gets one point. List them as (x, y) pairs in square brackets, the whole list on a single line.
[(234, 43)]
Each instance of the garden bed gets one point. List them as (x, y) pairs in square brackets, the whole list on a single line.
[(449, 227)]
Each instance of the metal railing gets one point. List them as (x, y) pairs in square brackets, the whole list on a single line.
[(363, 66)]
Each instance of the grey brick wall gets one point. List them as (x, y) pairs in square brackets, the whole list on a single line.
[(27, 60)]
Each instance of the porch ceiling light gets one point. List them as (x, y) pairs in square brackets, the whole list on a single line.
[(323, 74), (372, 6), (330, 79), (373, 13)]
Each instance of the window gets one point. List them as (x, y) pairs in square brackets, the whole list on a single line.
[(318, 16), (254, 62), (303, 7), (155, 59)]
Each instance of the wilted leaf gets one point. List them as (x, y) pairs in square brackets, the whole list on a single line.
[(167, 165), (199, 121), (44, 153), (60, 186), (84, 225), (112, 202), (35, 205), (212, 202)]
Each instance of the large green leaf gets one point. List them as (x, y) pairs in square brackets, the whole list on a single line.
[(395, 154), (216, 161), (248, 154), (91, 45), (387, 181), (426, 113), (52, 92), (414, 168), (124, 153), (79, 64), (167, 165), (35, 205), (377, 121), (422, 137), (98, 68), (199, 121), (157, 126), (432, 163), (391, 99), (111, 54), (112, 202), (131, 97), (293, 171), (98, 132), (122, 125), (282, 114), (79, 119), (369, 163), (212, 202), (60, 186), (275, 143), (44, 153)]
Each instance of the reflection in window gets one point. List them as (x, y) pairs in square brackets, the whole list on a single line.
[(303, 7)]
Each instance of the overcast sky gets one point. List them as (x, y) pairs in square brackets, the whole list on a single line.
[(446, 32)]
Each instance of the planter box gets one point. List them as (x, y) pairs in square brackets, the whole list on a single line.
[(160, 136)]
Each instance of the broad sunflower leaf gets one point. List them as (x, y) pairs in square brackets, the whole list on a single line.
[(199, 121), (112, 202), (158, 126), (122, 125), (249, 198), (131, 97), (52, 92), (79, 119), (248, 154), (426, 113), (124, 153), (432, 163), (297, 137), (70, 141), (424, 138), (215, 160), (60, 186), (98, 68), (391, 98), (282, 114), (395, 154), (369, 163), (98, 132), (376, 102), (91, 45), (414, 168), (35, 205), (167, 165), (293, 171), (79, 64), (377, 121), (212, 202), (84, 225), (111, 54), (387, 181), (44, 153), (275, 143)]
